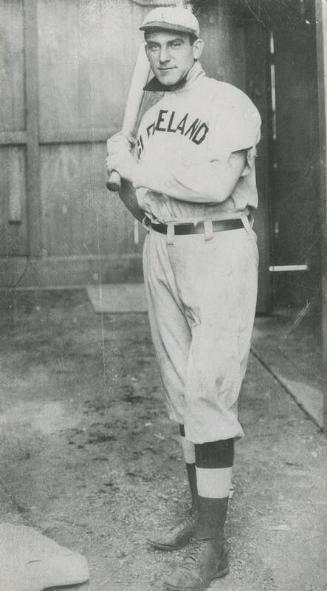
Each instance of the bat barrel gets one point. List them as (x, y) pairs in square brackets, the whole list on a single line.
[(134, 101)]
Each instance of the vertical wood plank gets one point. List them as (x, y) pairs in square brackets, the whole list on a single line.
[(16, 195), (13, 236), (86, 58), (321, 46), (87, 52), (32, 126), (79, 215), (12, 115)]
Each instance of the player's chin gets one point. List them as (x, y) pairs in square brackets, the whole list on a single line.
[(168, 77)]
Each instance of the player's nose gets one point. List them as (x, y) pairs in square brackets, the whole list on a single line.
[(164, 55)]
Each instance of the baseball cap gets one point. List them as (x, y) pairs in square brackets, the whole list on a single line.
[(172, 19)]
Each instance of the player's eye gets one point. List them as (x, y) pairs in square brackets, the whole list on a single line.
[(152, 47), (176, 43)]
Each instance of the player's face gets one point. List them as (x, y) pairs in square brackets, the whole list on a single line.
[(171, 55)]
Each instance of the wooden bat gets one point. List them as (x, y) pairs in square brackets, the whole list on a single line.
[(133, 104)]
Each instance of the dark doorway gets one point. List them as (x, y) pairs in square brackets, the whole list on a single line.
[(282, 81)]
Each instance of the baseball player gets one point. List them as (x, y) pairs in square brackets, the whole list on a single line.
[(193, 168)]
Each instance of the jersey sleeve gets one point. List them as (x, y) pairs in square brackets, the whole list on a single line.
[(236, 127), (207, 182)]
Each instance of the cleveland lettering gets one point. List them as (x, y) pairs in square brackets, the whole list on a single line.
[(168, 122)]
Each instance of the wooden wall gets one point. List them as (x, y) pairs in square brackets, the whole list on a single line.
[(13, 220), (65, 67)]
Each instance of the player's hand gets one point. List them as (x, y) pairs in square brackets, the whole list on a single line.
[(119, 156), (123, 162), (118, 142)]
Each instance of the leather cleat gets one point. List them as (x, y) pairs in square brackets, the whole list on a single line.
[(175, 537), (207, 560)]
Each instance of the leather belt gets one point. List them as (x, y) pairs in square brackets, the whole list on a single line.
[(199, 228)]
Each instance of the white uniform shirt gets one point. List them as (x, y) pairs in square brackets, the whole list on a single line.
[(179, 141)]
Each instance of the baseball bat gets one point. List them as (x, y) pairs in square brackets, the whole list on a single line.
[(134, 100)]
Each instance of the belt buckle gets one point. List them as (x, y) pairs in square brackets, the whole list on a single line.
[(247, 222), (146, 223), (208, 229), (170, 233)]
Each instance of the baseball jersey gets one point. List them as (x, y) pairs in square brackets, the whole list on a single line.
[(181, 139)]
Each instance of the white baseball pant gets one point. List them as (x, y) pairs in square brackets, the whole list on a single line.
[(202, 297)]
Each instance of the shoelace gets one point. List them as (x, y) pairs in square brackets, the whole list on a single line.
[(188, 520), (194, 554)]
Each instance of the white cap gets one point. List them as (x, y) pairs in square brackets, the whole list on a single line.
[(172, 19)]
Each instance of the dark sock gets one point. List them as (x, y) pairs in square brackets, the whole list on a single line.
[(189, 456), (218, 457), (191, 475)]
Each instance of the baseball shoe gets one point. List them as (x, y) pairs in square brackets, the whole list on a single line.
[(206, 561), (175, 537)]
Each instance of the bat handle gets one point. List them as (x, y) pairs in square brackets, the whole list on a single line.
[(114, 182)]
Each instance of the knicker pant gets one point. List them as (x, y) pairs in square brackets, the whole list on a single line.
[(202, 298)]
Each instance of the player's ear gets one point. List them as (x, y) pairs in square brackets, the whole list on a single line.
[(146, 49), (149, 55), (198, 48)]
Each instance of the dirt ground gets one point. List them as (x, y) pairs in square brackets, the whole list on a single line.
[(90, 459)]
